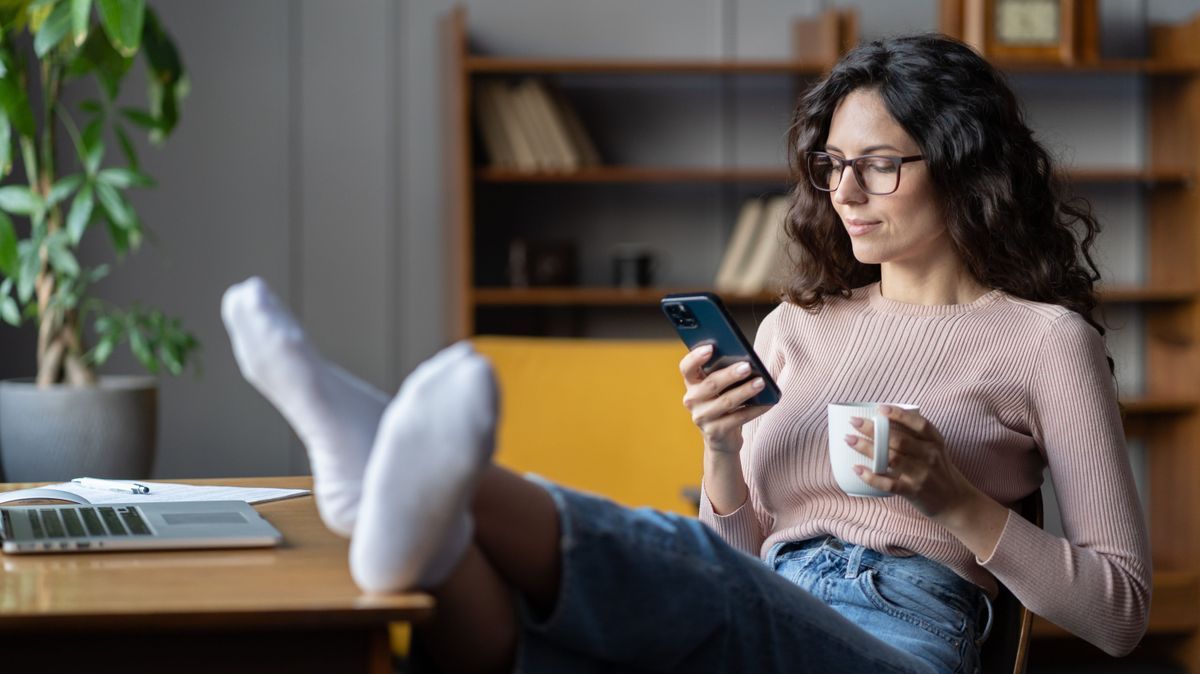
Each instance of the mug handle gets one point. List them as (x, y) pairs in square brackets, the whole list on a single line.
[(882, 428)]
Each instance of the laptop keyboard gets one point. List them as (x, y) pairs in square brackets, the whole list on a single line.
[(78, 522)]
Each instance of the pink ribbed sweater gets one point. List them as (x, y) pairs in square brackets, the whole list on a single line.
[(1013, 386)]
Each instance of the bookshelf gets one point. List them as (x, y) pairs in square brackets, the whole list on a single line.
[(1165, 416)]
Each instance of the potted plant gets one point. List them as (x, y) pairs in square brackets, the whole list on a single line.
[(59, 185)]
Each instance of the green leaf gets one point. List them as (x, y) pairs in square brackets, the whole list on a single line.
[(91, 106), (9, 262), (103, 350), (63, 189), (98, 272), (62, 259), (161, 54), (168, 84), (141, 349), (15, 102), (141, 118), (56, 27), (122, 21), (98, 55), (20, 200), (30, 264), (115, 207), (93, 134), (81, 11), (119, 237), (80, 214), (123, 178), (168, 353), (93, 146), (9, 311), (127, 147), (5, 145)]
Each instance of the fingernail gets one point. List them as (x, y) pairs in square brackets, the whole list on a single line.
[(707, 348), (856, 421), (743, 368), (758, 383), (851, 440), (886, 409), (859, 470)]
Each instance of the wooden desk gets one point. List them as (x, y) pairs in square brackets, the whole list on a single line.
[(293, 608)]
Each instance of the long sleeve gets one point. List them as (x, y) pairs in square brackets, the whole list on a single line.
[(1096, 582), (743, 528)]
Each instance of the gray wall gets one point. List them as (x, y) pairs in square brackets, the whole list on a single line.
[(310, 153)]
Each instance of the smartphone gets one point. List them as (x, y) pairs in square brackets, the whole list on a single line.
[(700, 319)]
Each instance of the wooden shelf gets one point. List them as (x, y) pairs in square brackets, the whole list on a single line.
[(1150, 176), (636, 174), (778, 175), (1159, 405), (594, 296), (542, 66), (1133, 294), (504, 65), (608, 296), (1108, 66), (1173, 610)]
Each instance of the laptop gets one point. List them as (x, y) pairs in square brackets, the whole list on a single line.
[(124, 526)]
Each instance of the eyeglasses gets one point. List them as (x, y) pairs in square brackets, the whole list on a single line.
[(876, 174)]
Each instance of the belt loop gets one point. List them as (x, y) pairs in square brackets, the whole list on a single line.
[(854, 563)]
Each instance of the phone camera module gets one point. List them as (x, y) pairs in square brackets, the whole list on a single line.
[(681, 315)]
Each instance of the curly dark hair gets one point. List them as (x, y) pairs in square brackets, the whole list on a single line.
[(1010, 216)]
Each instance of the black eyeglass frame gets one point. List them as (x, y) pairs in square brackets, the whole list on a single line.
[(853, 163)]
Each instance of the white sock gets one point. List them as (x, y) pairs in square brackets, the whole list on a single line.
[(435, 440), (334, 413)]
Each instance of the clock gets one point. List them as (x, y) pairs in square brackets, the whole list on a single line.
[(1026, 31)]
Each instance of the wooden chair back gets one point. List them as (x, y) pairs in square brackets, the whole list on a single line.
[(1007, 648)]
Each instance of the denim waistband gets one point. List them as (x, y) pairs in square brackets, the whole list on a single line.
[(858, 556)]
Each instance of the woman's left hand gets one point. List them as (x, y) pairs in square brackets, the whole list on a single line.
[(919, 468)]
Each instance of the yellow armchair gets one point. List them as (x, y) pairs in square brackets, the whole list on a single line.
[(603, 416)]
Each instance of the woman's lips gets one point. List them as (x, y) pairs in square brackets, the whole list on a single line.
[(861, 227)]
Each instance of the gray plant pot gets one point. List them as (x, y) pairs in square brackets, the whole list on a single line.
[(60, 432)]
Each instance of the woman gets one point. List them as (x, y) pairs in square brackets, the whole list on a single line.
[(937, 267)]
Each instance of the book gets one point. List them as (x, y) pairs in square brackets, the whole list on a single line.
[(738, 251), (576, 131), (505, 102), (770, 248), (565, 155), (532, 126), (491, 128), (159, 492)]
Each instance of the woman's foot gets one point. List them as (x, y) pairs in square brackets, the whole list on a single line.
[(334, 413), (434, 441)]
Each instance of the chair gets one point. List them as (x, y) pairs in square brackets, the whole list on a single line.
[(601, 415), (1007, 649)]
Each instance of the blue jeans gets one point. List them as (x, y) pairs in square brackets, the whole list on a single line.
[(646, 591)]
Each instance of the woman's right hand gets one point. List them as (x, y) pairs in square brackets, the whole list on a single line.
[(719, 416)]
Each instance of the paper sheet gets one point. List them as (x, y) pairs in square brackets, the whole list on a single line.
[(171, 491)]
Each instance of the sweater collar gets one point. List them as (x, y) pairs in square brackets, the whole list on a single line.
[(886, 306)]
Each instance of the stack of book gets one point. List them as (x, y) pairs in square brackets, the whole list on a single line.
[(527, 127), (756, 258)]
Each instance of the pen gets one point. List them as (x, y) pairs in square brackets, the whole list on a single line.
[(112, 485)]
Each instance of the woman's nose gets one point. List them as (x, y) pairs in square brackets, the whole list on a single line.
[(848, 190)]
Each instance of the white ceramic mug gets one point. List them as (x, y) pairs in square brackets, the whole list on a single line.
[(844, 458)]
